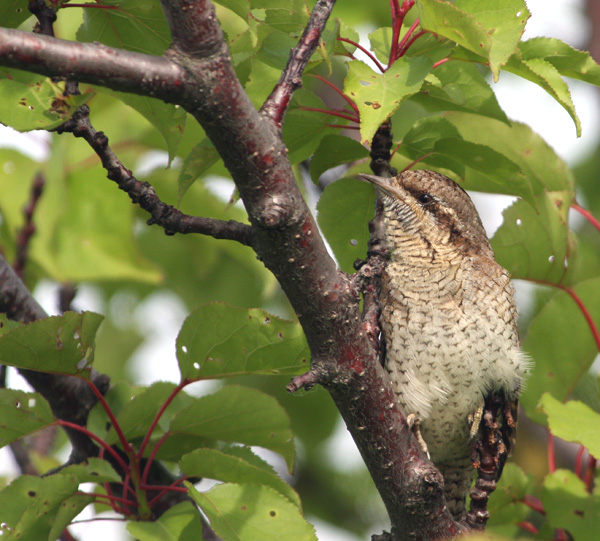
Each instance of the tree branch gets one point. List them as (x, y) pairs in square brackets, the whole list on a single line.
[(291, 77), (92, 63), (171, 219)]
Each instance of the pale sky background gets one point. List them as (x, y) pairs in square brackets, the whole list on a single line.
[(521, 100)]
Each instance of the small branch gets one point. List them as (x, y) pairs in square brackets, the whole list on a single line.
[(26, 232), (277, 103), (168, 217)]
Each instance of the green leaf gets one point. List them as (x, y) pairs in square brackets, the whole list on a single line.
[(33, 103), (214, 464), (54, 344), (218, 340), (303, 130), (202, 157), (137, 25), (568, 61), (13, 13), (168, 119), (71, 245), (538, 162), (459, 87), (344, 211), (335, 150), (179, 523), (22, 413), (378, 95), (252, 513), (94, 470), (40, 507), (489, 30), (506, 502), (238, 414), (569, 505), (420, 141), (536, 245), (497, 173), (137, 414), (544, 74), (573, 421), (561, 344)]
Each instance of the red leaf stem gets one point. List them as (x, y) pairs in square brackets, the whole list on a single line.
[(578, 460), (332, 113), (152, 455), (440, 62), (343, 126), (527, 526), (590, 473), (403, 45), (533, 503), (339, 91), (551, 457), (584, 311), (588, 215), (124, 443), (159, 414), (168, 489), (97, 6), (366, 51), (99, 440), (111, 498)]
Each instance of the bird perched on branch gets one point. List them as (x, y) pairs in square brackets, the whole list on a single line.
[(448, 320)]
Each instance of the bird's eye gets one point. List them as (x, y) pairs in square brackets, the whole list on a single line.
[(425, 199)]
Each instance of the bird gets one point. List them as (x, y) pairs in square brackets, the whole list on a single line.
[(448, 321)]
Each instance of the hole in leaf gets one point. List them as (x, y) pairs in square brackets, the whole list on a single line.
[(184, 349), (353, 242), (197, 366), (31, 494), (551, 259), (518, 13), (31, 403), (18, 404), (266, 321), (272, 513), (519, 221)]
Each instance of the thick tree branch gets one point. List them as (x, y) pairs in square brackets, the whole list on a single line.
[(92, 63), (69, 397), (291, 77)]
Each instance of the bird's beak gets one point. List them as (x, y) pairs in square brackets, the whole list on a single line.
[(383, 183)]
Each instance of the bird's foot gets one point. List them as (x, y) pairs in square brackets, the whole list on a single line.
[(414, 423), (475, 420)]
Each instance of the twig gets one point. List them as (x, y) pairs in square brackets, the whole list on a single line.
[(26, 232), (168, 217), (276, 104)]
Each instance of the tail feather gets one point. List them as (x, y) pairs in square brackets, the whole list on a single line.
[(458, 478)]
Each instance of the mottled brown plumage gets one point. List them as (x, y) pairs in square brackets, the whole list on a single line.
[(448, 319)]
